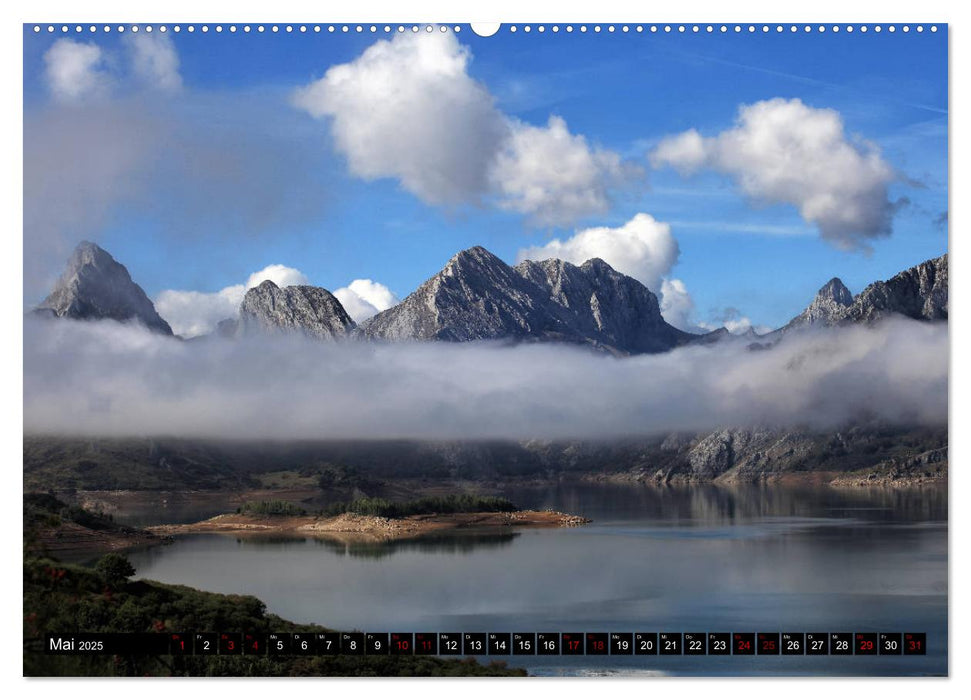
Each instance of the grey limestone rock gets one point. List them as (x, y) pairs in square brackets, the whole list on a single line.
[(96, 286), (477, 296), (300, 309)]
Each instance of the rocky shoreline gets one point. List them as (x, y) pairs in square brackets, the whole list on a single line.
[(371, 527)]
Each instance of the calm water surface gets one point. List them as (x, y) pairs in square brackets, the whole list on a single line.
[(689, 559)]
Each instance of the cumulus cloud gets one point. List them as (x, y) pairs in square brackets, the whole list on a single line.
[(553, 176), (105, 378), (643, 248), (677, 306), (280, 275), (154, 61), (784, 151), (75, 70), (191, 313), (362, 299), (407, 108)]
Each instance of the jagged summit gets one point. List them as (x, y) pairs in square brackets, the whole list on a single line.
[(836, 291), (477, 296), (920, 292), (827, 307), (95, 286), (312, 311)]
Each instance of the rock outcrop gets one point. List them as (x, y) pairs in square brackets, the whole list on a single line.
[(95, 286), (919, 293), (299, 309), (477, 296)]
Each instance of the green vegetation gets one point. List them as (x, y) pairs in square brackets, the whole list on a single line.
[(136, 464), (115, 569), (464, 503), (270, 508), (45, 509), (338, 476), (345, 468), (64, 598), (52, 525)]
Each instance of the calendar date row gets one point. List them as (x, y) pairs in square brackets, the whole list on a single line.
[(496, 643)]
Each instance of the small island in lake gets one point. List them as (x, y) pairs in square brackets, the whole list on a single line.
[(376, 518)]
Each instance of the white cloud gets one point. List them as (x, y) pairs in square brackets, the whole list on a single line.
[(643, 248), (154, 61), (407, 108), (553, 176), (685, 152), (363, 298), (193, 313), (280, 275), (784, 151), (197, 313), (677, 306), (734, 322), (107, 378), (75, 70)]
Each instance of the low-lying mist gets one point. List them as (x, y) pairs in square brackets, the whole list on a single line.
[(110, 379)]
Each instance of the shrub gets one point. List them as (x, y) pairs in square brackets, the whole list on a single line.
[(270, 508), (462, 503), (115, 568)]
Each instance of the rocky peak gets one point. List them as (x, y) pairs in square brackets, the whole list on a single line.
[(836, 292), (478, 296), (312, 311), (606, 308), (920, 292), (827, 307), (96, 286)]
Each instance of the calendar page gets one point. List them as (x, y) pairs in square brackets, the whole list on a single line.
[(543, 349)]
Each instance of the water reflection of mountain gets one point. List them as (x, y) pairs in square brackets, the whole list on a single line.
[(711, 504)]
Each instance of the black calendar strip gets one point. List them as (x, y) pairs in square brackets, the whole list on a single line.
[(494, 643)]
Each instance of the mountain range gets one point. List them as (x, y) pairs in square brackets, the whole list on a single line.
[(477, 296)]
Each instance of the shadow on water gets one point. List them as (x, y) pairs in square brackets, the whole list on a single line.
[(450, 543)]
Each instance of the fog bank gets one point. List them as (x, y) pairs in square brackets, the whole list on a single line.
[(109, 379)]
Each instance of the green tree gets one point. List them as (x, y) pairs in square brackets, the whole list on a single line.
[(115, 568)]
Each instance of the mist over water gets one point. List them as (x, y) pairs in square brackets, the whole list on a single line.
[(109, 379)]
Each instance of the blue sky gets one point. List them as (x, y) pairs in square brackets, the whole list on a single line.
[(270, 183)]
